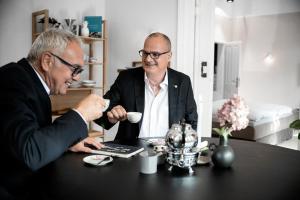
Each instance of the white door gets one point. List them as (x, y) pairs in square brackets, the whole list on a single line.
[(231, 70)]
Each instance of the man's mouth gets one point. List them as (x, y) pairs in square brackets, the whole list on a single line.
[(68, 83), (150, 64)]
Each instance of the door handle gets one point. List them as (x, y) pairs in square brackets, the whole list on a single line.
[(204, 69)]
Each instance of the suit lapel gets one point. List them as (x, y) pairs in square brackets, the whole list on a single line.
[(173, 88), (139, 91)]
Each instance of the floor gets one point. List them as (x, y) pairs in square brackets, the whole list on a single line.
[(293, 143)]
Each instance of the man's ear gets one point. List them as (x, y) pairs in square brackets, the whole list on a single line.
[(46, 62), (169, 56)]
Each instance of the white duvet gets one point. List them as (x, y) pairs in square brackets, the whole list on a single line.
[(258, 111)]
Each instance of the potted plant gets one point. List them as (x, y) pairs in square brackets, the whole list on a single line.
[(296, 125)]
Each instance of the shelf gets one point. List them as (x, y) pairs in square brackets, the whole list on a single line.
[(85, 88), (93, 63), (91, 39)]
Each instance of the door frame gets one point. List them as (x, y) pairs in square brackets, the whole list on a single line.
[(223, 63), (196, 27)]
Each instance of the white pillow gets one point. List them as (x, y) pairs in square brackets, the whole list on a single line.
[(260, 111)]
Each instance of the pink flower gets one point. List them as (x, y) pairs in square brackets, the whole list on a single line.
[(233, 115)]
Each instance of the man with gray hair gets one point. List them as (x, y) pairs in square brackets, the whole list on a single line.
[(29, 138), (164, 96)]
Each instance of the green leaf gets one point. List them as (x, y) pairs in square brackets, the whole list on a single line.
[(295, 124), (223, 131), (217, 130)]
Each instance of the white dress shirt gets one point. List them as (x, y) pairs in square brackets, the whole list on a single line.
[(42, 81), (156, 112)]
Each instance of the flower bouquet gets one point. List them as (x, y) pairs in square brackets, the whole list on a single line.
[(232, 116)]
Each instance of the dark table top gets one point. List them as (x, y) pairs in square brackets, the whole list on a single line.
[(259, 171)]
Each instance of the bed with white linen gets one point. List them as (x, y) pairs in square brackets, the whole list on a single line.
[(268, 123)]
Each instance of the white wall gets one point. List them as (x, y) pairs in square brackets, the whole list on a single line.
[(15, 21), (223, 29), (262, 33), (278, 82), (130, 22), (263, 7), (257, 7)]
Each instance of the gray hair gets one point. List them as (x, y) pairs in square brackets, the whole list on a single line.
[(52, 39), (165, 37)]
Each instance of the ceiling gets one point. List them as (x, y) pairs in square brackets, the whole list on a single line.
[(258, 7)]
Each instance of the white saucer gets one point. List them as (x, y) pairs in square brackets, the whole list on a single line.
[(95, 159), (157, 141), (203, 160)]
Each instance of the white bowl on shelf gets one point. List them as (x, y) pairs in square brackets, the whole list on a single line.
[(88, 83), (75, 84)]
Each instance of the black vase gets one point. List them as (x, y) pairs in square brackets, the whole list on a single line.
[(223, 155)]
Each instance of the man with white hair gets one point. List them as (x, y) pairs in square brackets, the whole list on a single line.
[(29, 138)]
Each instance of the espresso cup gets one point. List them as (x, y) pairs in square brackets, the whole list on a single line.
[(134, 117)]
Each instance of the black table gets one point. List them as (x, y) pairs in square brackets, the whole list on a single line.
[(260, 171)]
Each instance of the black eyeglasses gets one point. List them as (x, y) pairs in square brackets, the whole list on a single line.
[(153, 54), (76, 69)]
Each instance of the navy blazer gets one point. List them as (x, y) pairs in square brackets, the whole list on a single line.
[(29, 139), (129, 91)]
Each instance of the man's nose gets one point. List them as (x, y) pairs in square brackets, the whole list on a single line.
[(148, 57)]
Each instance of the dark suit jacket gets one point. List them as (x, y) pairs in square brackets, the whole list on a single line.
[(129, 91), (29, 139)]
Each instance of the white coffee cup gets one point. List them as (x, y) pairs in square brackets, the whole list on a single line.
[(148, 162), (134, 117)]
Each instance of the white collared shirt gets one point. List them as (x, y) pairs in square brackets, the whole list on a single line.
[(42, 81), (156, 112)]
